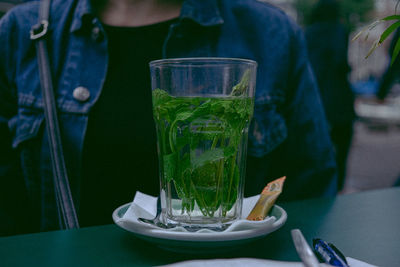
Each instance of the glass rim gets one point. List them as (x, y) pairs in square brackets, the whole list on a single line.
[(197, 61)]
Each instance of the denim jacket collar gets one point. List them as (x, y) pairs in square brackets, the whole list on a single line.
[(204, 12), (83, 10)]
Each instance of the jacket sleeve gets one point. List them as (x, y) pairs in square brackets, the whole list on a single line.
[(308, 154), (11, 181)]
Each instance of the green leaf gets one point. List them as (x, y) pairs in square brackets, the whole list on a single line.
[(395, 51), (229, 151), (184, 138), (242, 86), (392, 17), (182, 180), (169, 166), (203, 109), (231, 182), (160, 97), (222, 107), (191, 124), (388, 31), (183, 115), (207, 157)]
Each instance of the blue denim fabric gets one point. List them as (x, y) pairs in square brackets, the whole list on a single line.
[(288, 135)]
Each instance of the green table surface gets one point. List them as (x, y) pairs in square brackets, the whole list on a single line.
[(364, 226)]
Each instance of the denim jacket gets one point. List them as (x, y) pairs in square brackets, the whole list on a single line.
[(288, 134)]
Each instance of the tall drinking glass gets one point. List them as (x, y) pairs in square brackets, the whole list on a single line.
[(202, 108)]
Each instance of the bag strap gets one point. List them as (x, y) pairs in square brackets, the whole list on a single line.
[(65, 204)]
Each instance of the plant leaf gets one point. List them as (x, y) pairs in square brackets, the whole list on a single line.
[(207, 157), (388, 31), (392, 17), (374, 46), (169, 166), (395, 51), (358, 34), (242, 86), (160, 97), (191, 123), (229, 151), (367, 29)]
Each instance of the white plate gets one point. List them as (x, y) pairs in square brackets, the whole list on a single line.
[(194, 241)]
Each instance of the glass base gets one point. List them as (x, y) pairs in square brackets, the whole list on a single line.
[(196, 221), (195, 226)]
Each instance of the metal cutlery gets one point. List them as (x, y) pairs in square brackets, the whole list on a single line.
[(303, 249)]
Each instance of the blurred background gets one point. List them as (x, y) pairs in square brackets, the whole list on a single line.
[(374, 157)]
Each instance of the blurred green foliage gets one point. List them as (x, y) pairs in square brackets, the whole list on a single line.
[(352, 12)]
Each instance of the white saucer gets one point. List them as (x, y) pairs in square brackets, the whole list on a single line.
[(195, 241)]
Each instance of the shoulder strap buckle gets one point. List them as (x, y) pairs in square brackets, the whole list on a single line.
[(39, 30)]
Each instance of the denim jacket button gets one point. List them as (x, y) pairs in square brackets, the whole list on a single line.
[(81, 93), (97, 35)]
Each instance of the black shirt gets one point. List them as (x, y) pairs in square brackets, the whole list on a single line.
[(120, 154)]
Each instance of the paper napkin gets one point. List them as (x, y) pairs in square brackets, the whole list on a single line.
[(145, 206), (239, 262)]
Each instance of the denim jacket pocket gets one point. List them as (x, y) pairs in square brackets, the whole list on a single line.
[(25, 125), (268, 128)]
